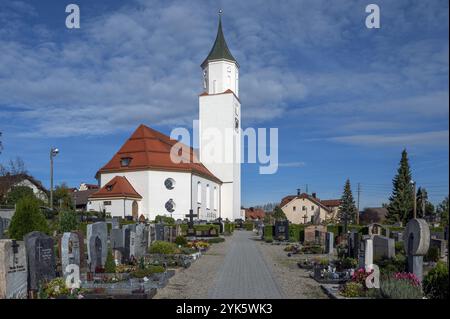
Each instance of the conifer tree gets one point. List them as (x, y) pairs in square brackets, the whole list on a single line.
[(401, 202), (347, 209)]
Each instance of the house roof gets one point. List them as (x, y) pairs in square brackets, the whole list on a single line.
[(81, 197), (150, 149), (315, 200), (331, 202), (119, 186), (220, 49), (254, 213), (7, 181)]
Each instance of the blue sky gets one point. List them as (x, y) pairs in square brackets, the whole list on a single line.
[(346, 99)]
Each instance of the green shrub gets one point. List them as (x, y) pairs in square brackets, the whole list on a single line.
[(294, 232), (268, 232), (348, 263), (391, 288), (353, 290), (163, 247), (27, 218), (248, 226), (180, 241), (68, 221), (216, 240), (435, 283), (396, 264), (399, 248), (110, 265), (148, 271), (432, 254), (228, 228), (268, 239), (164, 220)]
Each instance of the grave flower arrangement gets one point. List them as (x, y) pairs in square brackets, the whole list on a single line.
[(198, 245), (57, 289), (401, 286)]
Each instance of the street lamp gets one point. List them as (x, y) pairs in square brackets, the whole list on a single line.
[(413, 183), (53, 152)]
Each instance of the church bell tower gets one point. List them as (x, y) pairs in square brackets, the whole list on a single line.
[(220, 123)]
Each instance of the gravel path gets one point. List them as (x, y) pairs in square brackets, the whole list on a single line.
[(244, 273), (295, 282), (194, 282), (242, 268)]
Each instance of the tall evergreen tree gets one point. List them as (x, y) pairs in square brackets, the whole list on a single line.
[(278, 214), (401, 201), (442, 211), (347, 209)]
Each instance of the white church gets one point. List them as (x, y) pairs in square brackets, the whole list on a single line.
[(142, 180)]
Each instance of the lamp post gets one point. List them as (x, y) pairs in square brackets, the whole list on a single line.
[(413, 183), (53, 152)]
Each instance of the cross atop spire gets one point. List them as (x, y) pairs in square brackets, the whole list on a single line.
[(220, 49)]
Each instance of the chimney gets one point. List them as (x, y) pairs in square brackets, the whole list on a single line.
[(314, 195), (298, 191)]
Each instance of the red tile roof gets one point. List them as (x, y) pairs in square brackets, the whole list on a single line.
[(150, 149), (331, 202), (254, 213), (119, 186)]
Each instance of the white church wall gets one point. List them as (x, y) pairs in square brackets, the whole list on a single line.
[(158, 193), (116, 207), (222, 75), (139, 180), (201, 208)]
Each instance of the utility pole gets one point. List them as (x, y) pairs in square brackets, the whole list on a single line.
[(53, 152), (359, 195), (415, 200)]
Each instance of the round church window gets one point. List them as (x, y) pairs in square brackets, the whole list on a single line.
[(169, 183), (170, 206)]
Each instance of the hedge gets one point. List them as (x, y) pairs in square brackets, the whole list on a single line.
[(248, 226), (296, 232), (229, 228), (206, 227), (268, 232)]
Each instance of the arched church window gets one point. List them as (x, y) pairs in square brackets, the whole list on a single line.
[(199, 192), (169, 183), (208, 197), (216, 198)]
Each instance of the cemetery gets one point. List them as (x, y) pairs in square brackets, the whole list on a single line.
[(398, 262), (101, 258)]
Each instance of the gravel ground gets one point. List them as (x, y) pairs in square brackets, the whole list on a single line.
[(295, 282), (195, 281)]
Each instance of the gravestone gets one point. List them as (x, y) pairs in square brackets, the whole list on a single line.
[(132, 244), (126, 244), (440, 244), (151, 234), (159, 231), (13, 269), (70, 251), (397, 236), (383, 247), (315, 234), (281, 230), (377, 229), (190, 231), (100, 230), (329, 243), (416, 242), (2, 227), (116, 239), (354, 242), (368, 254), (95, 248), (115, 223), (141, 240), (41, 260)]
